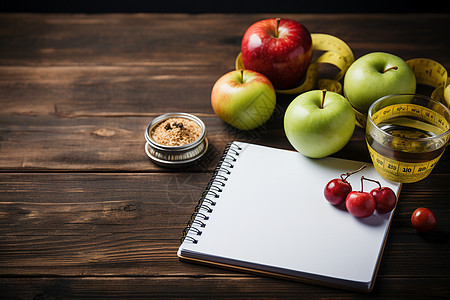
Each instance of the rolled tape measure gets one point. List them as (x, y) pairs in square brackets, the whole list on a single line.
[(336, 52), (398, 171), (432, 73), (426, 154)]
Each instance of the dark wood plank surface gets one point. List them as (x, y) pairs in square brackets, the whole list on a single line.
[(85, 214)]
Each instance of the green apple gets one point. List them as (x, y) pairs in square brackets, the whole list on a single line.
[(375, 75), (244, 99), (319, 123)]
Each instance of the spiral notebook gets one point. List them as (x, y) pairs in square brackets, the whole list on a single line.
[(264, 211)]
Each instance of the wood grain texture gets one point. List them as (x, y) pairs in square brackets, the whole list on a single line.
[(216, 287), (92, 223), (95, 143), (85, 214)]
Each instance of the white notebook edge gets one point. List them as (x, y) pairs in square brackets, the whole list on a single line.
[(312, 278), (308, 278)]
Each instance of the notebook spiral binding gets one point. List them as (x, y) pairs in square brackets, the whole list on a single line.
[(204, 207)]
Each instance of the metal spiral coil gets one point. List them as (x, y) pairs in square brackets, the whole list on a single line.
[(212, 191)]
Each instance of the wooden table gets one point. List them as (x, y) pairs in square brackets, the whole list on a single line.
[(84, 212)]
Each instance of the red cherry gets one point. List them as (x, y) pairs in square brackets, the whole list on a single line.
[(385, 199), (337, 190), (360, 204), (423, 220)]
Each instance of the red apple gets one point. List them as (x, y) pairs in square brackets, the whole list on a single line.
[(244, 99), (281, 49)]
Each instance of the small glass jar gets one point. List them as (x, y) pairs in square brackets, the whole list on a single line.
[(175, 156)]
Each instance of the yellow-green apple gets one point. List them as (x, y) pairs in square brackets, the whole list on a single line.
[(375, 75), (244, 99), (319, 123), (281, 49)]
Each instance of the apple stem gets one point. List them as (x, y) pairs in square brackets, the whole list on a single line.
[(276, 28), (376, 181), (350, 173), (391, 68), (323, 98), (242, 76)]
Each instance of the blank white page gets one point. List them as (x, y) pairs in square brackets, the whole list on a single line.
[(272, 215)]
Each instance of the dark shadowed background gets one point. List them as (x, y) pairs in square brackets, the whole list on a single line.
[(210, 6)]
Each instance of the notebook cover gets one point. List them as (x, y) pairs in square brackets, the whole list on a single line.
[(271, 217)]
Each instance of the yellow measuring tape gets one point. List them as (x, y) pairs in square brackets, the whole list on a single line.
[(398, 171), (411, 110), (336, 52), (392, 168), (432, 73), (332, 50)]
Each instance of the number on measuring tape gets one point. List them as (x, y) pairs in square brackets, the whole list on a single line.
[(399, 171)]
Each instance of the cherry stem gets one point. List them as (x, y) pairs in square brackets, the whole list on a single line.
[(276, 28), (391, 68), (323, 98), (368, 179), (350, 173)]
